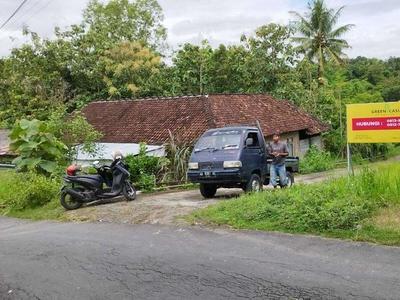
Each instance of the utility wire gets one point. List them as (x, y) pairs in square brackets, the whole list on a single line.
[(38, 11), (28, 10), (19, 7), (43, 7)]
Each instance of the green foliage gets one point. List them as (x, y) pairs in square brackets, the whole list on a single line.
[(146, 171), (306, 208), (38, 150), (178, 154), (32, 84), (316, 160), (73, 130), (116, 51), (119, 20), (143, 169), (128, 67), (391, 94), (269, 59), (39, 77), (28, 191), (319, 39), (333, 208), (190, 72), (261, 64), (99, 36), (7, 183), (371, 152)]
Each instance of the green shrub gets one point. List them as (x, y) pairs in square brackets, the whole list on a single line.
[(39, 151), (316, 160), (338, 204), (31, 190), (143, 169)]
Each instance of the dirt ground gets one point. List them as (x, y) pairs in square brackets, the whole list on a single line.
[(163, 208)]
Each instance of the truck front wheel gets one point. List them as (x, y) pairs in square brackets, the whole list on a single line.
[(207, 190), (254, 184)]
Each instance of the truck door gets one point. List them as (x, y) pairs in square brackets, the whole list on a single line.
[(253, 156)]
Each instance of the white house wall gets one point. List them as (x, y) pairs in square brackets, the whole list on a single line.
[(105, 154)]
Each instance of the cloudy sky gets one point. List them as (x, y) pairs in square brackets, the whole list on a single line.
[(376, 32)]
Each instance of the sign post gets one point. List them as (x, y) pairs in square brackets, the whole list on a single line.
[(372, 123)]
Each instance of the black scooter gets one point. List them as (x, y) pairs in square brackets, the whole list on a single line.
[(90, 189)]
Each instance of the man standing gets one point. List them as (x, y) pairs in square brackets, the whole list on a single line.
[(278, 150)]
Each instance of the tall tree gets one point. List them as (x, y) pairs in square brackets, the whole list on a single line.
[(269, 61), (103, 28), (120, 20), (32, 84), (319, 40), (128, 68), (191, 63)]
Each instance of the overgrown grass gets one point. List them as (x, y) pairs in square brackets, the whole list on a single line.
[(28, 195), (364, 208), (317, 160), (341, 208), (6, 180)]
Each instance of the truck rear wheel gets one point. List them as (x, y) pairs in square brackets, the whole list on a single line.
[(254, 184), (289, 179), (208, 190)]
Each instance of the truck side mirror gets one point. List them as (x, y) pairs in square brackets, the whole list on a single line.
[(249, 142)]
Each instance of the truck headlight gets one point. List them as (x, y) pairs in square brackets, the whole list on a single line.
[(232, 164), (193, 166)]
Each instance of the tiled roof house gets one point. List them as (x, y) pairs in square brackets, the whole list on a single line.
[(150, 120)]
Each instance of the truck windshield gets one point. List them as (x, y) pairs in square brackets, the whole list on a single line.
[(219, 140)]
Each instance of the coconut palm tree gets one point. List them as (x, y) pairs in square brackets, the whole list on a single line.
[(319, 40)]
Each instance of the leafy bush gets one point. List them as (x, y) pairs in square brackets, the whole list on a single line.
[(73, 129), (178, 154), (339, 204), (316, 160), (38, 149), (372, 152), (31, 190), (143, 168)]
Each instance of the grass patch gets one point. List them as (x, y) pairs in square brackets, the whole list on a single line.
[(357, 209), (7, 179), (364, 208), (50, 211), (30, 196), (388, 218)]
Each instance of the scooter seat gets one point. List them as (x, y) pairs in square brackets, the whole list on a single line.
[(78, 178)]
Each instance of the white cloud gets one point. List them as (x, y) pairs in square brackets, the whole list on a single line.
[(224, 21)]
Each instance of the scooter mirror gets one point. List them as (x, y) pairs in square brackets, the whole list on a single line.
[(116, 154)]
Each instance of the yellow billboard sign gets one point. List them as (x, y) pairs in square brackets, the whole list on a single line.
[(373, 122)]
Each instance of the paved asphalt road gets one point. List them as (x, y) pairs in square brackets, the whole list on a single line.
[(98, 260)]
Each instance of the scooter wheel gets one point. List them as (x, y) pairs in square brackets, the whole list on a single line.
[(68, 202), (129, 191)]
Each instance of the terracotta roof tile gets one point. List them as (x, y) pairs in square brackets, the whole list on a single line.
[(149, 120)]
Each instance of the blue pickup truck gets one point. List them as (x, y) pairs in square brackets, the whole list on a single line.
[(233, 157)]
